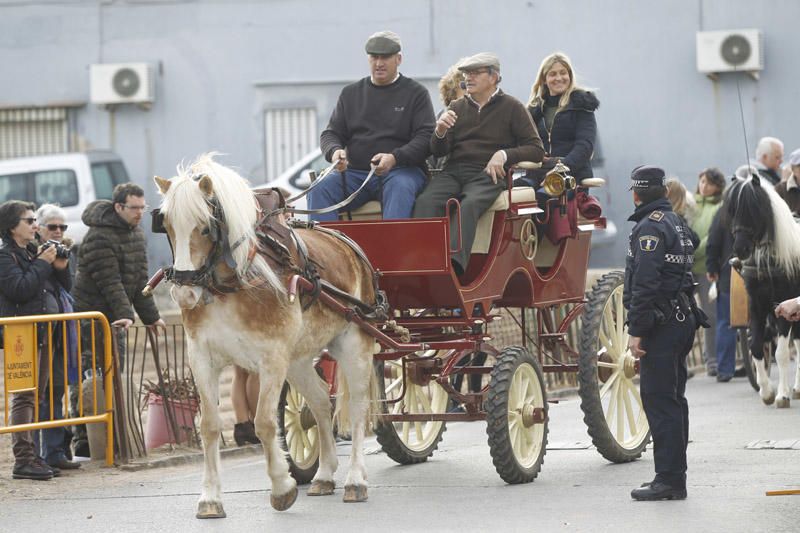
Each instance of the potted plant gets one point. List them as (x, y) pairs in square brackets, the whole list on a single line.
[(172, 405)]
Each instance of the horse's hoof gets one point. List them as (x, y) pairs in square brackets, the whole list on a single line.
[(210, 510), (284, 501), (796, 394), (355, 493), (769, 400), (782, 403), (321, 488)]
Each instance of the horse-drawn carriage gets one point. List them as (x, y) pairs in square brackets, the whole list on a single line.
[(432, 326)]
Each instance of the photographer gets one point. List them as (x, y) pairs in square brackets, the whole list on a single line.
[(30, 281), (55, 441)]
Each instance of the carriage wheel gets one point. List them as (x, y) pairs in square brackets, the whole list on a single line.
[(610, 399), (516, 416), (409, 442), (743, 351), (301, 434)]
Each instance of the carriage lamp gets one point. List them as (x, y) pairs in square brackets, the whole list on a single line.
[(558, 180)]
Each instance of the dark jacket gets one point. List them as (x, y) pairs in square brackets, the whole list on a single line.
[(24, 280), (112, 267), (572, 136), (790, 192), (656, 270), (718, 251)]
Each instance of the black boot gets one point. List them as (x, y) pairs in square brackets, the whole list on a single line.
[(245, 433), (658, 490), (32, 470)]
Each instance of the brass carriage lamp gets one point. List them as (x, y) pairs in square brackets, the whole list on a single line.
[(558, 180)]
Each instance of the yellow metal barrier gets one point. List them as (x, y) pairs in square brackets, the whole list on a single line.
[(21, 369)]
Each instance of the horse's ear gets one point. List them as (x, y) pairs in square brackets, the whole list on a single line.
[(205, 185), (163, 185)]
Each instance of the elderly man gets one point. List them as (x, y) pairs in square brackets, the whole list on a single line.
[(789, 189), (384, 120), (483, 134), (769, 156)]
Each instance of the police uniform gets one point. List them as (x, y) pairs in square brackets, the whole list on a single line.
[(658, 297)]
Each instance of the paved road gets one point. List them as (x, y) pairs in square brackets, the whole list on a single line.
[(458, 489)]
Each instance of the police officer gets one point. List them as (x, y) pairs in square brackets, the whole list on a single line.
[(662, 320)]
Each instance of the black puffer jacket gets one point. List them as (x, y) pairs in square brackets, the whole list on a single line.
[(112, 267), (572, 136), (23, 281)]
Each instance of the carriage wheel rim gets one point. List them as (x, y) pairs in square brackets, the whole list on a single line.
[(525, 394), (302, 443), (430, 398), (622, 404)]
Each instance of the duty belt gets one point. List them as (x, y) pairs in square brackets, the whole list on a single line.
[(679, 259)]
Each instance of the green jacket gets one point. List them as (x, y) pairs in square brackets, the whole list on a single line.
[(701, 223), (112, 267)]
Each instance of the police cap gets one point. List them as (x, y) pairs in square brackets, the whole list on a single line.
[(646, 176)]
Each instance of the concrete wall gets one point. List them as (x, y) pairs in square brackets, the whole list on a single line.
[(220, 64)]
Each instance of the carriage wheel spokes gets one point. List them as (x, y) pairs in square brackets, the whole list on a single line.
[(408, 441), (301, 434), (609, 392)]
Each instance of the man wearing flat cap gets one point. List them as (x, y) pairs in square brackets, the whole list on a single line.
[(662, 320), (483, 134), (383, 121), (789, 189)]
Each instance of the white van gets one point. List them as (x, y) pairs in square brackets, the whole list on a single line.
[(71, 180)]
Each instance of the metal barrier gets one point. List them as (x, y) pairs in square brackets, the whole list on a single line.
[(21, 370)]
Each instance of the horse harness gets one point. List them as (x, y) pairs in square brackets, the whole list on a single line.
[(281, 247)]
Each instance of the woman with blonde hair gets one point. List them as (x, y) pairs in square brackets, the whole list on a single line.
[(563, 113), (449, 91)]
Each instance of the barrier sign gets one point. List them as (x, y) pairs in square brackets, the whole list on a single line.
[(20, 348)]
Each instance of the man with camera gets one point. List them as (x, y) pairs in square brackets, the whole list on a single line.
[(662, 320), (112, 271)]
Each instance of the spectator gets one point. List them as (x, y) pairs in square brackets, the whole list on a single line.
[(769, 156), (384, 120), (55, 441), (244, 398), (449, 91), (483, 134), (718, 252), (563, 113), (30, 281), (112, 271), (789, 189), (708, 198)]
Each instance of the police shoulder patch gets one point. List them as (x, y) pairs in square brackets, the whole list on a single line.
[(656, 215), (648, 243)]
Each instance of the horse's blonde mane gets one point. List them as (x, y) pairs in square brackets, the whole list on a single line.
[(785, 251), (238, 205)]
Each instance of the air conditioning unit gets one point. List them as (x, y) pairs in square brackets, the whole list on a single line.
[(121, 83), (729, 51)]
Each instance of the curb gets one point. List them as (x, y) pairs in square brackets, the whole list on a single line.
[(188, 458)]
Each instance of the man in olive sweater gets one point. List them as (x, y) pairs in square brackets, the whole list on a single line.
[(384, 120), (483, 133)]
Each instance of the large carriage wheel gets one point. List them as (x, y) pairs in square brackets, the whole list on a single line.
[(610, 399), (516, 416), (301, 434), (409, 442), (743, 351)]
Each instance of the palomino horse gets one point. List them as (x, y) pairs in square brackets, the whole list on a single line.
[(767, 241), (235, 310)]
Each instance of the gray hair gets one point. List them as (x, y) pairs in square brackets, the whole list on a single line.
[(766, 145), (48, 212)]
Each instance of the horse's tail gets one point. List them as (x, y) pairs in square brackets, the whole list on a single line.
[(342, 415)]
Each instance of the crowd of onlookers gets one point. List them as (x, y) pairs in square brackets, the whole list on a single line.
[(701, 210)]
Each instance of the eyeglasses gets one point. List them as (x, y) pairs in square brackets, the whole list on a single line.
[(143, 208), (31, 221), (469, 73), (54, 227)]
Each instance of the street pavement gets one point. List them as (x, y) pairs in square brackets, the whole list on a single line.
[(458, 488)]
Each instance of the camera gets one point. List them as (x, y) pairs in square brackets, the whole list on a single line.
[(62, 252)]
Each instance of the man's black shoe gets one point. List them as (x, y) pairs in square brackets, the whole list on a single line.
[(712, 372), (54, 469), (31, 470), (723, 379), (63, 464), (740, 372), (658, 491)]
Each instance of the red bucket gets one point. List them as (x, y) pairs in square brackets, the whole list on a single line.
[(158, 430)]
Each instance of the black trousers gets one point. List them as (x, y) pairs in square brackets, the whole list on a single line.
[(473, 188), (663, 391)]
